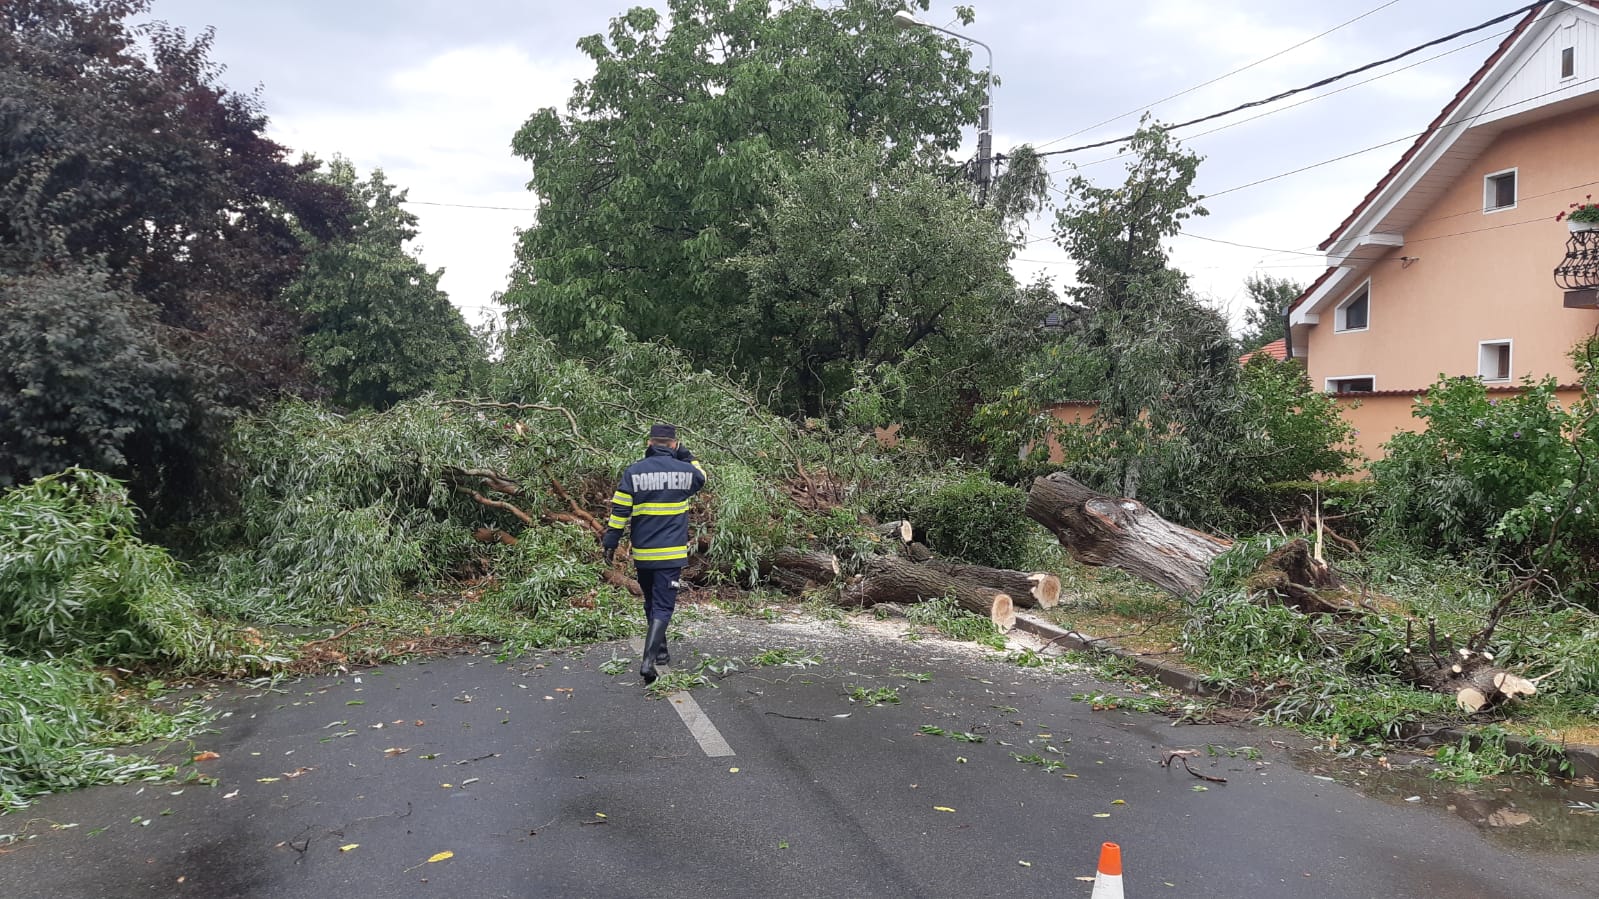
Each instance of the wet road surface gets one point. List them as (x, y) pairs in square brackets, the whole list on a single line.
[(545, 776)]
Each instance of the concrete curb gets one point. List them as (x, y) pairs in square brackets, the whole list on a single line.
[(1584, 760)]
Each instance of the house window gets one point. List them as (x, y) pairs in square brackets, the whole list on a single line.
[(1568, 62), (1358, 384), (1499, 191), (1493, 360), (1354, 314)]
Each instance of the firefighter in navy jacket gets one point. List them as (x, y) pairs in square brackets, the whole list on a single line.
[(654, 494)]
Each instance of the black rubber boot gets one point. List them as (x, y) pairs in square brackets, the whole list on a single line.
[(662, 658), (654, 645)]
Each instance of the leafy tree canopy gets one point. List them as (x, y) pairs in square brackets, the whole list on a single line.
[(861, 261), (118, 145), (1263, 317), (648, 181), (85, 380), (379, 328)]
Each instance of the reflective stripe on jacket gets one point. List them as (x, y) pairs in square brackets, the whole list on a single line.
[(653, 494)]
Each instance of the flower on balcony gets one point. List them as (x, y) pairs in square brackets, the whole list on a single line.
[(1586, 211)]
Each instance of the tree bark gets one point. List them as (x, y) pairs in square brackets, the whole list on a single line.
[(895, 580), (797, 570), (1029, 590), (1122, 533)]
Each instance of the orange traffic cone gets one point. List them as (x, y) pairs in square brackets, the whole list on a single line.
[(1108, 881)]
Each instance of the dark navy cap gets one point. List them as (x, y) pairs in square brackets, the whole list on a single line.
[(663, 432)]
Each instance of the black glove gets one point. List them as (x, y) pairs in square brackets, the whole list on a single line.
[(610, 555), (682, 454)]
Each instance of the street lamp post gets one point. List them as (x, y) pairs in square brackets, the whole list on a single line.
[(985, 137)]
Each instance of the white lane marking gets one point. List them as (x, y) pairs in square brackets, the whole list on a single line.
[(699, 725)]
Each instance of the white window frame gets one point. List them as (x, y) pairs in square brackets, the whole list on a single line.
[(1328, 383), (1510, 368), (1338, 313), (1573, 51), (1487, 190)]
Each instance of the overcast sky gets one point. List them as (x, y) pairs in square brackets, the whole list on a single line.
[(432, 91)]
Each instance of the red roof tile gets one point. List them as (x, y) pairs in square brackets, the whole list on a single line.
[(1277, 349)]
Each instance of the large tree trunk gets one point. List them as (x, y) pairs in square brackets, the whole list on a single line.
[(1122, 533), (895, 580), (1028, 589)]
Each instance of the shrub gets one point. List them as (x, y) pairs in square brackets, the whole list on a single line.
[(974, 518), (1497, 473), (84, 380)]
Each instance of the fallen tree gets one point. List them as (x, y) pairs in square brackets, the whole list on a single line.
[(900, 581), (1115, 532), (1121, 533)]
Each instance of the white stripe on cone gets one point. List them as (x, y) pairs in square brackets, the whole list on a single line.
[(1108, 877)]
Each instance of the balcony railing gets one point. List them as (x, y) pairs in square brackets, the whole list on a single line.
[(1580, 269)]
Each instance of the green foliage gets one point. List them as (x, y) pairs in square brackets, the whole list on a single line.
[(51, 714), (974, 518), (122, 148), (873, 696), (344, 510), (1484, 755), (1269, 297), (379, 330), (85, 380), (1291, 431), (860, 261), (76, 579), (649, 180), (546, 569), (952, 620), (1284, 501), (1516, 474)]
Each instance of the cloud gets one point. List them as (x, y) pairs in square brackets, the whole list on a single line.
[(442, 129)]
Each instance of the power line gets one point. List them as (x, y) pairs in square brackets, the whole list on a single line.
[(1295, 105), (1225, 75), (1397, 140), (469, 206), (1247, 246), (1322, 83)]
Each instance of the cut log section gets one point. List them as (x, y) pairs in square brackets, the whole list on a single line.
[(1030, 590), (900, 531), (1122, 533), (895, 580), (798, 570)]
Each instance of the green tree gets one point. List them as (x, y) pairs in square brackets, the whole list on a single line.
[(379, 330), (1164, 365), (1263, 317), (85, 380), (120, 151), (861, 263), (648, 182)]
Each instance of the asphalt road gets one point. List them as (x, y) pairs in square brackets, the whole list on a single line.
[(544, 776)]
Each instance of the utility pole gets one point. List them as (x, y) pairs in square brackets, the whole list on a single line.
[(985, 136)]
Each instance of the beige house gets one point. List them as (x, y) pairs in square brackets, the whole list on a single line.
[(1447, 267)]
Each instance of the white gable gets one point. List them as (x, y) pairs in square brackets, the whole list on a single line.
[(1533, 79), (1523, 85)]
